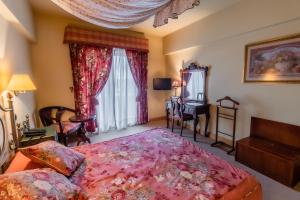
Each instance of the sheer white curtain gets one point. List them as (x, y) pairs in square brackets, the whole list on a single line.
[(117, 107), (196, 84)]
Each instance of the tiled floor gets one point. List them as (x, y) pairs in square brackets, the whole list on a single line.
[(272, 190)]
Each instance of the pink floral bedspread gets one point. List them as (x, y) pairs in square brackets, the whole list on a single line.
[(155, 164)]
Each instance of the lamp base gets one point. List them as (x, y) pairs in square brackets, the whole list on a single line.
[(12, 119), (175, 91)]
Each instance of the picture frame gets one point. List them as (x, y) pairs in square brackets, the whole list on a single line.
[(275, 60)]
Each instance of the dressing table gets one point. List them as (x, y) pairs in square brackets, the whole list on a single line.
[(193, 91)]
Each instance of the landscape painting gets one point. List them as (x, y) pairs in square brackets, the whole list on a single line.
[(275, 60)]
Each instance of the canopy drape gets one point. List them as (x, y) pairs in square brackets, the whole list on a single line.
[(125, 13)]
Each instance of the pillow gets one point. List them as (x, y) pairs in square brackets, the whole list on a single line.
[(54, 155), (21, 163), (38, 184)]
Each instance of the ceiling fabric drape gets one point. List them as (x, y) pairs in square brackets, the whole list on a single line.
[(125, 13)]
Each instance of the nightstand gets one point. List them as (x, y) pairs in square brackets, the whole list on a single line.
[(50, 135)]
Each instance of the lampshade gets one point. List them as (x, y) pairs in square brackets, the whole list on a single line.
[(176, 84), (20, 83)]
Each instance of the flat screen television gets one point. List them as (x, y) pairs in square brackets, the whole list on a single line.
[(162, 84)]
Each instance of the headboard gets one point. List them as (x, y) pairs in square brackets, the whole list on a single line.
[(4, 143)]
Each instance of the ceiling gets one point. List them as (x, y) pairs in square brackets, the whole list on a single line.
[(206, 8)]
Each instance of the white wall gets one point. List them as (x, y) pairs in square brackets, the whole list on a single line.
[(15, 57), (18, 12), (156, 69), (219, 40)]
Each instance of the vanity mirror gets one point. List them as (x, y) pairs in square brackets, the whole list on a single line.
[(194, 83)]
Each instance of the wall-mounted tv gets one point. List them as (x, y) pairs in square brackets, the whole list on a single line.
[(162, 84)]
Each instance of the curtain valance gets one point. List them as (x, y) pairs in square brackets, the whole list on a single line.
[(125, 13), (84, 36)]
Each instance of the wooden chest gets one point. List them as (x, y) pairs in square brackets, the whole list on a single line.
[(278, 156)]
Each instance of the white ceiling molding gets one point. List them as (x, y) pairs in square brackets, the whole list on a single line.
[(19, 13)]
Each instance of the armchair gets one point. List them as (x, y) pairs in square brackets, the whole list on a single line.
[(59, 117)]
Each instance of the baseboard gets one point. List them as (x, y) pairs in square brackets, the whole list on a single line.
[(157, 118), (221, 138)]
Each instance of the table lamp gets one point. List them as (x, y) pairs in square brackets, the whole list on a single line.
[(176, 84), (19, 83)]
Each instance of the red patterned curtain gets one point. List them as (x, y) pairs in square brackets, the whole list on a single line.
[(138, 62), (91, 67)]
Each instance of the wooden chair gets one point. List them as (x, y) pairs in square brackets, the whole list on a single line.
[(59, 117), (177, 113)]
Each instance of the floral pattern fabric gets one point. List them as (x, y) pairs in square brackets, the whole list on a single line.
[(91, 67), (138, 62), (54, 155), (154, 165), (38, 184)]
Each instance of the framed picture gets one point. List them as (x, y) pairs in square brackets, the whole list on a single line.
[(276, 60)]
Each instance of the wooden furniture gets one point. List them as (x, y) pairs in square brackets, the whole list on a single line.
[(193, 93), (273, 149), (178, 114), (194, 108), (50, 134), (228, 112), (82, 132), (58, 116)]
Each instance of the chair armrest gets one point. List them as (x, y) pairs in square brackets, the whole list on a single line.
[(69, 109), (59, 115)]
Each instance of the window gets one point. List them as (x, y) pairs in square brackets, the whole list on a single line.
[(117, 107)]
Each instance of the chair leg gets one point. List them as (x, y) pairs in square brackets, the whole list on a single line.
[(182, 123), (199, 125), (172, 124), (65, 141)]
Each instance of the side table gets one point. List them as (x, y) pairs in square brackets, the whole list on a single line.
[(82, 133), (49, 135)]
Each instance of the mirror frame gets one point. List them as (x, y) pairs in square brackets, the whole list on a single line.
[(194, 67)]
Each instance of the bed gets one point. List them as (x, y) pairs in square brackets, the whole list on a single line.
[(158, 165)]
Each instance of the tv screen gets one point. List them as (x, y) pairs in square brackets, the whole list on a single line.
[(162, 84)]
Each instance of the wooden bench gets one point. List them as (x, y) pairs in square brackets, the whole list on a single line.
[(273, 149)]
